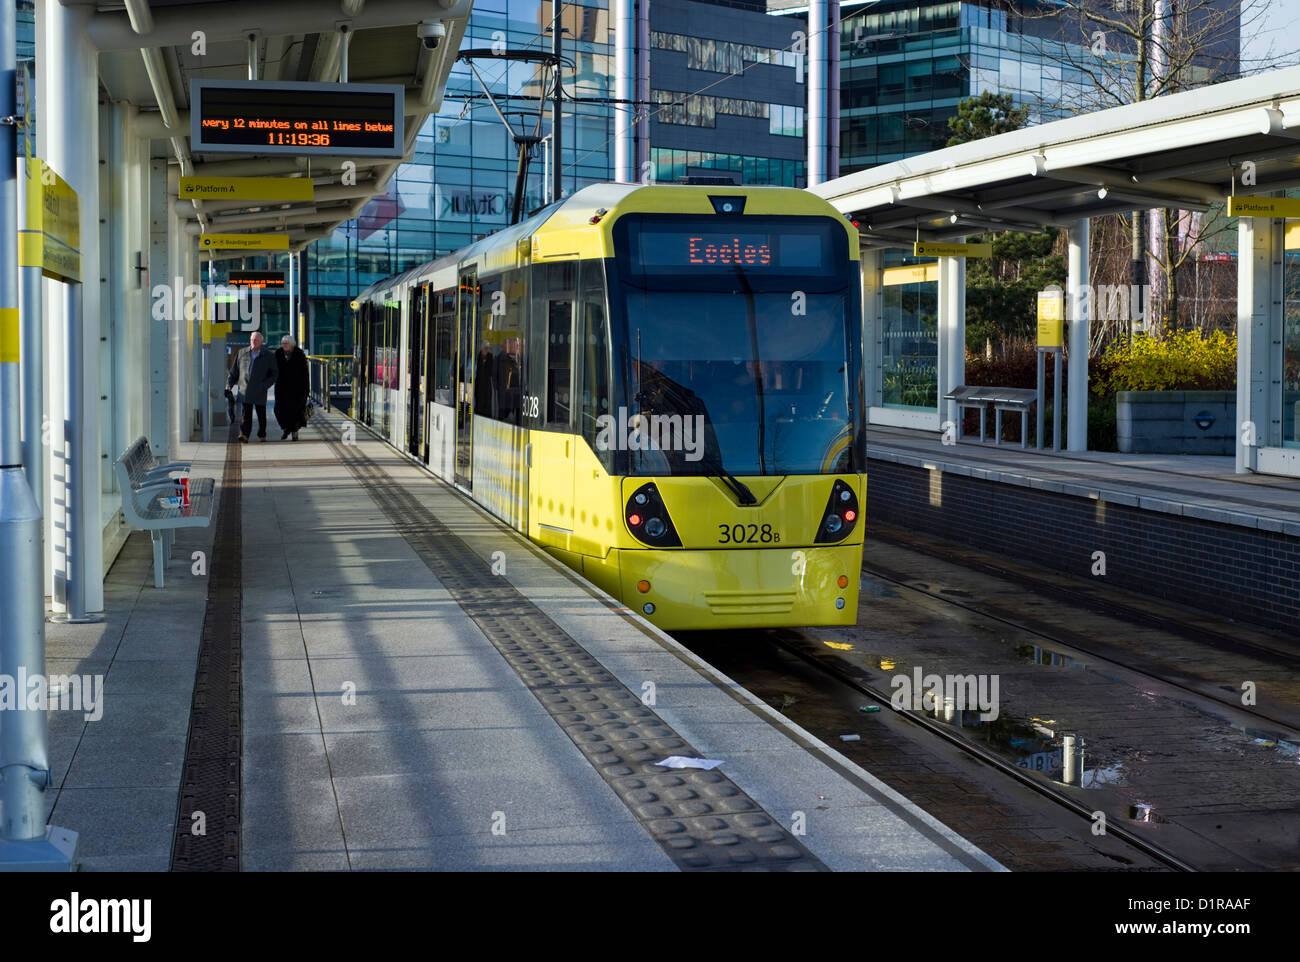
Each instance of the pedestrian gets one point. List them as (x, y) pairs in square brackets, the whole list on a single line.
[(291, 387), (254, 372)]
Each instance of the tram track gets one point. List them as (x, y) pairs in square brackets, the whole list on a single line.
[(842, 672), (1079, 643)]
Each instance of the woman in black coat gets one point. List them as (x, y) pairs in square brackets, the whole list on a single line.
[(291, 387)]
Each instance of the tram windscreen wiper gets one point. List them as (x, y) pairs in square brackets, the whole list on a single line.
[(738, 487)]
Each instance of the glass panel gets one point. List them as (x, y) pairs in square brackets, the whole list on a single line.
[(911, 345)]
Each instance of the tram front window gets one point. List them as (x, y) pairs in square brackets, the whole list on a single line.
[(759, 390)]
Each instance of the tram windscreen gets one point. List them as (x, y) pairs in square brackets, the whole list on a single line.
[(758, 365)]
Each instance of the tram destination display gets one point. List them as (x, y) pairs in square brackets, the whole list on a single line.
[(302, 119), (762, 247)]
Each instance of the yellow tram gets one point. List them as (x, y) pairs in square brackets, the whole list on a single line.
[(660, 385)]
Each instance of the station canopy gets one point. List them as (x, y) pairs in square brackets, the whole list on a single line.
[(1186, 151), (150, 52)]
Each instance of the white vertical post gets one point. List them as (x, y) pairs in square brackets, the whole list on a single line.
[(26, 843), (69, 143), (1080, 317), (177, 394), (951, 334), (624, 90), (818, 68)]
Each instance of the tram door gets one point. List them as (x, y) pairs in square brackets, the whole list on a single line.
[(416, 334), (466, 350), (365, 366)]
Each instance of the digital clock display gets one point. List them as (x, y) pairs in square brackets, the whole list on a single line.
[(257, 117)]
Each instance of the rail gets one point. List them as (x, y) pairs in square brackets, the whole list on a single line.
[(331, 380)]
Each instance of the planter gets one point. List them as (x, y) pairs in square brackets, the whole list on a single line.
[(1176, 422)]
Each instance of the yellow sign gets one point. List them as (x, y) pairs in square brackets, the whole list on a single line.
[(246, 188), (244, 242), (9, 339), (1051, 319), (51, 239), (1263, 206), (952, 250), (911, 274)]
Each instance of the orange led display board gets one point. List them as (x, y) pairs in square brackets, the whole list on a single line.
[(303, 119)]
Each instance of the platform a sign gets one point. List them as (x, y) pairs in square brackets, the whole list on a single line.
[(246, 188), (1051, 320), (244, 242), (929, 249), (51, 237), (1263, 206)]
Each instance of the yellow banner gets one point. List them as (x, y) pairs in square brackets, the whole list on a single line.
[(952, 250), (246, 188), (911, 274), (1264, 206), (9, 341), (1051, 319), (244, 242), (51, 238)]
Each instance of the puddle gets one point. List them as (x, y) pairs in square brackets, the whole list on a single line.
[(1040, 655), (874, 588)]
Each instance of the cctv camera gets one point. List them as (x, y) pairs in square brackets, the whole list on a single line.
[(431, 33)]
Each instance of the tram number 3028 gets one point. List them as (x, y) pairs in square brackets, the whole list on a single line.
[(747, 534)]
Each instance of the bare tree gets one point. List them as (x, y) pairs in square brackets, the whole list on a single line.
[(1115, 52)]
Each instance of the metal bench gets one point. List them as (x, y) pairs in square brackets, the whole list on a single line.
[(1002, 398), (150, 499)]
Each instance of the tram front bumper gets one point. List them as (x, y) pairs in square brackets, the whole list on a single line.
[(762, 587)]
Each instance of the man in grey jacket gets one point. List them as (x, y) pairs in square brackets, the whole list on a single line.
[(254, 371)]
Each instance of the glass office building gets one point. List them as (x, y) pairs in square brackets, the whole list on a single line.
[(460, 183)]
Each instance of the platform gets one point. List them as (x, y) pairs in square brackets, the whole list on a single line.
[(422, 688), (1194, 486), (1185, 529)]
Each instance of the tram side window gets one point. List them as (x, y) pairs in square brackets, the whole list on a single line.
[(561, 286), (595, 391), (507, 326), (442, 333)]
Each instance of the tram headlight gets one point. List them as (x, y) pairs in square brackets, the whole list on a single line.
[(840, 516), (648, 519)]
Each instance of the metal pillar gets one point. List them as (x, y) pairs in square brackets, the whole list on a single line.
[(818, 68), (177, 432), (70, 139), (951, 364), (27, 843), (1259, 325), (293, 300), (624, 91), (1079, 314), (205, 403)]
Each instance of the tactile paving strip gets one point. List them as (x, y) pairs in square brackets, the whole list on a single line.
[(210, 780), (703, 821)]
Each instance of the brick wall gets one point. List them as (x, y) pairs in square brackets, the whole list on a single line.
[(1231, 570)]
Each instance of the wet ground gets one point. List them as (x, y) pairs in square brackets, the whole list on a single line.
[(1130, 708)]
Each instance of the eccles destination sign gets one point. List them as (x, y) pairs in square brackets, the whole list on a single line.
[(262, 117)]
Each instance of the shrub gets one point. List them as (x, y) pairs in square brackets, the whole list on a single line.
[(1181, 361)]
